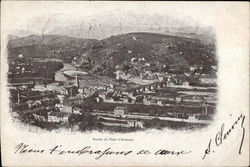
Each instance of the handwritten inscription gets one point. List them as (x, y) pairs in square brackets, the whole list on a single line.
[(223, 135), (88, 150), (219, 139), (58, 150), (167, 152), (24, 148)]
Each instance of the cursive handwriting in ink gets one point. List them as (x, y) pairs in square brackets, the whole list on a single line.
[(243, 133), (143, 152), (222, 135), (207, 151), (167, 152), (88, 150), (25, 148)]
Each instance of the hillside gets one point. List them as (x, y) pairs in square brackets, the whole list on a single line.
[(155, 48), (52, 46), (117, 50)]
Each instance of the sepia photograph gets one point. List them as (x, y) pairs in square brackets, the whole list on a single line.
[(113, 73)]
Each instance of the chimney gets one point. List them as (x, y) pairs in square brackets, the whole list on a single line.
[(77, 82), (18, 96)]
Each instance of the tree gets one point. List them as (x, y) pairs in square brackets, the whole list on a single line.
[(74, 118), (87, 121)]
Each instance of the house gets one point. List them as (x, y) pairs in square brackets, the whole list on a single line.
[(186, 83), (99, 88), (53, 118), (40, 118), (139, 124), (153, 101), (159, 102), (61, 98), (133, 59), (208, 79), (40, 88), (58, 117), (30, 103), (146, 101), (111, 122), (120, 111), (178, 99), (132, 95), (102, 95), (67, 108), (57, 88), (193, 67), (149, 101), (81, 90), (89, 91), (99, 99), (72, 90), (76, 110), (106, 96), (123, 123), (141, 59), (74, 100), (192, 117), (109, 99), (120, 74), (35, 103), (135, 124), (147, 89), (59, 106), (131, 123), (142, 89)]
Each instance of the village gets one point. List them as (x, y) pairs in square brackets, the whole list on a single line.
[(133, 106)]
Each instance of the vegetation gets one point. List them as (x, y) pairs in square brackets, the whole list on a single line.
[(102, 56)]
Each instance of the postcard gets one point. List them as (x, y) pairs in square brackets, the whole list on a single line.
[(109, 83)]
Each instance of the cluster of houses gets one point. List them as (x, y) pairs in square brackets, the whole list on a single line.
[(56, 51), (148, 74), (123, 123), (139, 95), (128, 96), (59, 113), (116, 97), (55, 103), (57, 117), (123, 118), (21, 67), (44, 104), (149, 77), (52, 117), (119, 120), (210, 79)]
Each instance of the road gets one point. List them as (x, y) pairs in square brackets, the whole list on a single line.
[(147, 117)]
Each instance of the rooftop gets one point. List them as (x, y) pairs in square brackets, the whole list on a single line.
[(120, 108)]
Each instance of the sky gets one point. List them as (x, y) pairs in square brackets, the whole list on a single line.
[(34, 15)]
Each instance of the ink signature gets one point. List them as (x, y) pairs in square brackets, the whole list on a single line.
[(223, 135)]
